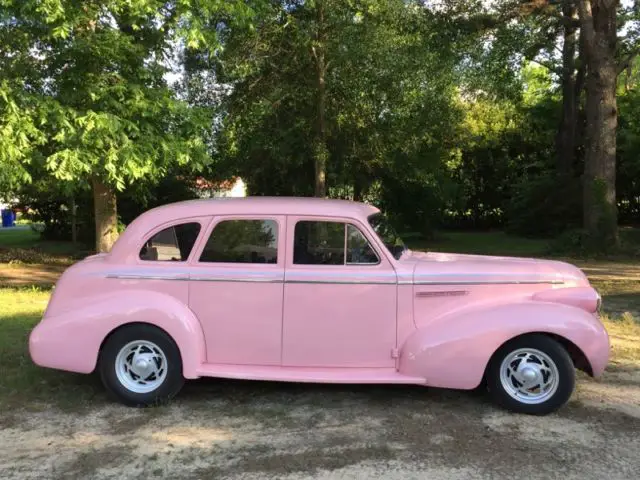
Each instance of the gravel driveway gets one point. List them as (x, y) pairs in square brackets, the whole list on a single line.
[(252, 430)]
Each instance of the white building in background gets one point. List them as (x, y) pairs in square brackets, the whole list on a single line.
[(234, 187)]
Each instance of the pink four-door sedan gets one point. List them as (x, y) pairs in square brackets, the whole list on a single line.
[(312, 290)]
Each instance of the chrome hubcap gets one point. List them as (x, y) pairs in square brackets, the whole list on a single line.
[(529, 376), (141, 366)]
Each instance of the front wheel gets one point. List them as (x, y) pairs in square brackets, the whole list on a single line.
[(532, 374), (140, 365)]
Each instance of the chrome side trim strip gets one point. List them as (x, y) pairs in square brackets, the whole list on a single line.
[(489, 282), (130, 276), (442, 293), (238, 280), (343, 282)]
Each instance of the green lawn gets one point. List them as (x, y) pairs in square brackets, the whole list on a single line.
[(22, 244), (23, 384), (19, 237), (481, 243)]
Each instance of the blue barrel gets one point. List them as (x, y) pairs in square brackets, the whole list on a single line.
[(8, 218)]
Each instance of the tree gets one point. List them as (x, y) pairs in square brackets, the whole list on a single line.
[(83, 90), (599, 23), (387, 101), (318, 48), (572, 73)]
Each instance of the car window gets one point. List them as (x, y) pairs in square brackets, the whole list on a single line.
[(323, 243), (242, 241), (359, 251), (171, 244), (318, 243), (388, 235)]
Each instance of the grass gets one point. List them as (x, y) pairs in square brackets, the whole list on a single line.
[(23, 384), (22, 244), (26, 259), (480, 243)]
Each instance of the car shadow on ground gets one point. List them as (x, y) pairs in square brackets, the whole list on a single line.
[(255, 430)]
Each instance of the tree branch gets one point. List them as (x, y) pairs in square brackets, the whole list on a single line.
[(549, 66), (626, 61), (586, 24)]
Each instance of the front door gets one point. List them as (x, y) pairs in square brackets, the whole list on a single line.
[(339, 297), (236, 289)]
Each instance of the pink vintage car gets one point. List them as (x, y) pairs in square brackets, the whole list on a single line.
[(311, 290)]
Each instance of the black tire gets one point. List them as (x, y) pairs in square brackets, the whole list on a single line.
[(558, 355), (173, 379)]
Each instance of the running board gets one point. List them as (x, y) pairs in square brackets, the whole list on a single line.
[(308, 375)]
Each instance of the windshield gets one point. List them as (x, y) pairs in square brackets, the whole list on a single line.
[(388, 235)]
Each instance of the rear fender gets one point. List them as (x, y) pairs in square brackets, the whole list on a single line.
[(72, 340), (453, 351)]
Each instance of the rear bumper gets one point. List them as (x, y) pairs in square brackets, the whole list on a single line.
[(59, 345)]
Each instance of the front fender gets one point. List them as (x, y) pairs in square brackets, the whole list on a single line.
[(71, 340), (454, 350)]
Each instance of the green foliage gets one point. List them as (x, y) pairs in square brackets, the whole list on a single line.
[(51, 202), (545, 205), (389, 87), (51, 205), (579, 243), (83, 91), (628, 174), (443, 115)]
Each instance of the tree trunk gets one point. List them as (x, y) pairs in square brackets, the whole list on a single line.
[(566, 139), (598, 21), (74, 221), (321, 152), (106, 215)]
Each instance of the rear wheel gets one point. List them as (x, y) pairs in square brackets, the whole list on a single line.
[(531, 374), (140, 365)]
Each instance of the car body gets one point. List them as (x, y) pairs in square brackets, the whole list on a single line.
[(311, 290)]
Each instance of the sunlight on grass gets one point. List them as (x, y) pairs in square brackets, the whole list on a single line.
[(624, 332), (23, 384)]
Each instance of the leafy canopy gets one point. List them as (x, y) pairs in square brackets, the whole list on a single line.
[(83, 86)]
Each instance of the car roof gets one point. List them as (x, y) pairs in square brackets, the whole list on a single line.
[(236, 206), (264, 206)]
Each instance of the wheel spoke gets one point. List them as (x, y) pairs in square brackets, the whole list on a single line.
[(519, 382), (141, 366)]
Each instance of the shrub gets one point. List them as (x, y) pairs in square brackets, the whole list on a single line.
[(545, 206)]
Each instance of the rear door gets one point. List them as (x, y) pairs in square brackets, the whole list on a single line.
[(236, 289)]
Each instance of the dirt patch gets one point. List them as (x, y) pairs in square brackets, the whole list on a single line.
[(19, 275), (88, 463), (332, 432)]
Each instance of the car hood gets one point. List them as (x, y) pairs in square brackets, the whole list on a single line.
[(434, 267)]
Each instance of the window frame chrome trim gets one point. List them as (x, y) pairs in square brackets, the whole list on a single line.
[(233, 218), (346, 223)]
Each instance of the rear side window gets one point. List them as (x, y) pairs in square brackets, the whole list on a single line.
[(242, 241), (171, 244), (331, 243)]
